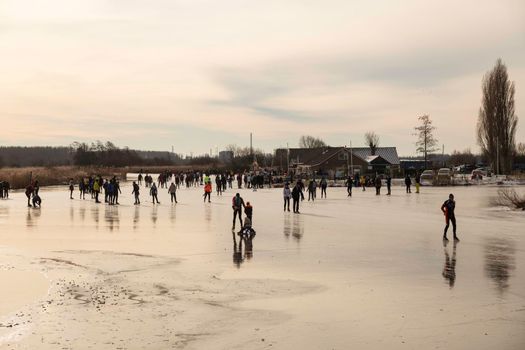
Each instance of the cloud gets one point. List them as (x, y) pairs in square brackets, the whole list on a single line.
[(197, 73)]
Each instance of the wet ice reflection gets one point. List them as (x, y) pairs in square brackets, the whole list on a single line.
[(242, 249), (136, 217), (95, 214), (293, 226), (154, 215), (499, 261), (111, 217), (375, 262), (33, 214), (449, 269)]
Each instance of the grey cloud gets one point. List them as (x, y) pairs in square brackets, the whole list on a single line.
[(252, 88)]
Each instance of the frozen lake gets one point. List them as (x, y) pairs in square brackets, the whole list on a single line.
[(366, 272)]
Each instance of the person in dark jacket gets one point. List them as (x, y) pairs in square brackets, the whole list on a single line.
[(388, 185), (237, 205), (37, 201), (297, 194), (153, 193), (248, 211), (349, 185), (310, 190), (324, 185), (408, 183), (29, 193), (448, 208), (378, 185), (136, 192)]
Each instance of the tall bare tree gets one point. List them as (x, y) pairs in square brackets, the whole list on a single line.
[(520, 149), (372, 141), (307, 141), (426, 142), (496, 119)]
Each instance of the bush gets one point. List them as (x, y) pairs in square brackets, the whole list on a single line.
[(510, 198)]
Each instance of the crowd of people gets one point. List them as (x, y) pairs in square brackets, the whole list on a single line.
[(95, 186)]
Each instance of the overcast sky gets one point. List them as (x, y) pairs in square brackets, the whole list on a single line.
[(201, 74)]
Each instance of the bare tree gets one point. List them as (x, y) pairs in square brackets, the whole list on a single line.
[(426, 142), (463, 158), (510, 198), (520, 149), (496, 119), (372, 141), (307, 141)]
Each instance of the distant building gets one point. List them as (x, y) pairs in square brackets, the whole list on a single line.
[(226, 156), (336, 161), (413, 166)]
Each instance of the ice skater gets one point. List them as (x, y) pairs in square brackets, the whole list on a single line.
[(71, 188), (173, 192), (237, 205), (378, 185), (247, 232), (311, 191), (297, 194), (207, 191), (408, 183), (116, 191), (349, 185), (388, 185), (136, 192), (324, 185), (448, 208), (287, 194), (37, 201), (29, 192), (96, 188), (248, 211), (153, 193)]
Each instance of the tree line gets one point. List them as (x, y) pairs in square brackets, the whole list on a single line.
[(83, 154)]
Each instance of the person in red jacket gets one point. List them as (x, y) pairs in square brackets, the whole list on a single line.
[(207, 191)]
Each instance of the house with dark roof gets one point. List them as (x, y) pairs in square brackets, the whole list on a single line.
[(338, 161)]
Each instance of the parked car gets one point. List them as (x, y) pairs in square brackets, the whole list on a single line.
[(443, 176), (464, 169), (427, 177), (480, 173)]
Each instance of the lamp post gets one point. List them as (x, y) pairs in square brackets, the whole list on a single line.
[(351, 160), (287, 159)]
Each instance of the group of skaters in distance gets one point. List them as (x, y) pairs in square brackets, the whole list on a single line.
[(95, 185), (296, 194), (193, 179), (377, 182)]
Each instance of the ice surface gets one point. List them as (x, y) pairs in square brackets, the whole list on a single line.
[(366, 272)]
